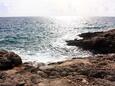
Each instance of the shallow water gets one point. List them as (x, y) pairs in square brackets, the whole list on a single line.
[(43, 39)]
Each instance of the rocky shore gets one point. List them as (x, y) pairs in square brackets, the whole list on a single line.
[(97, 42), (98, 70)]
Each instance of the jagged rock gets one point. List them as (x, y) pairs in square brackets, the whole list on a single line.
[(97, 42)]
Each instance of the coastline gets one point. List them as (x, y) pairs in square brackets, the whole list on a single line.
[(90, 71), (98, 70)]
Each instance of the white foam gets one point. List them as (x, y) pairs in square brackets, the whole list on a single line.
[(39, 57)]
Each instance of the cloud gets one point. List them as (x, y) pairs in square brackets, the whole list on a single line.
[(57, 7), (3, 9)]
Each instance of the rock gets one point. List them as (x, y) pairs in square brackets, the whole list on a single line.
[(9, 60), (21, 84), (97, 73), (88, 71), (41, 73), (2, 52), (97, 42), (3, 75), (14, 58), (89, 34), (6, 84), (84, 81), (5, 64), (40, 65), (111, 78)]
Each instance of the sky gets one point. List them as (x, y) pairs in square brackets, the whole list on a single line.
[(57, 8)]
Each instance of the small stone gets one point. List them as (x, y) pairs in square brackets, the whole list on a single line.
[(84, 81), (41, 73), (21, 84)]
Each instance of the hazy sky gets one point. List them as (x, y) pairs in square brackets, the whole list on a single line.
[(57, 7)]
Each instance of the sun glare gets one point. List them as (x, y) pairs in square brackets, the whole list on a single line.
[(58, 7)]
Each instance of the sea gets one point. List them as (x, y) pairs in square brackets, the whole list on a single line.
[(43, 39)]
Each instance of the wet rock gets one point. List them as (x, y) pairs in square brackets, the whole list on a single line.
[(9, 60), (89, 34), (97, 42)]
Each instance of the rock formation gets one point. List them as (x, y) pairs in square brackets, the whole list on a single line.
[(9, 60), (97, 42)]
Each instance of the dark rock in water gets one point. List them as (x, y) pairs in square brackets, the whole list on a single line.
[(97, 42), (89, 34), (9, 60)]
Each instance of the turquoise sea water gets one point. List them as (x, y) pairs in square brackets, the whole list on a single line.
[(43, 39)]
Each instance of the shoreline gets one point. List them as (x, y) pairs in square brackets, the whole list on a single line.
[(90, 71), (98, 70)]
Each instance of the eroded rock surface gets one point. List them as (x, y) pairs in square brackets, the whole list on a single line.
[(91, 71), (97, 42)]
